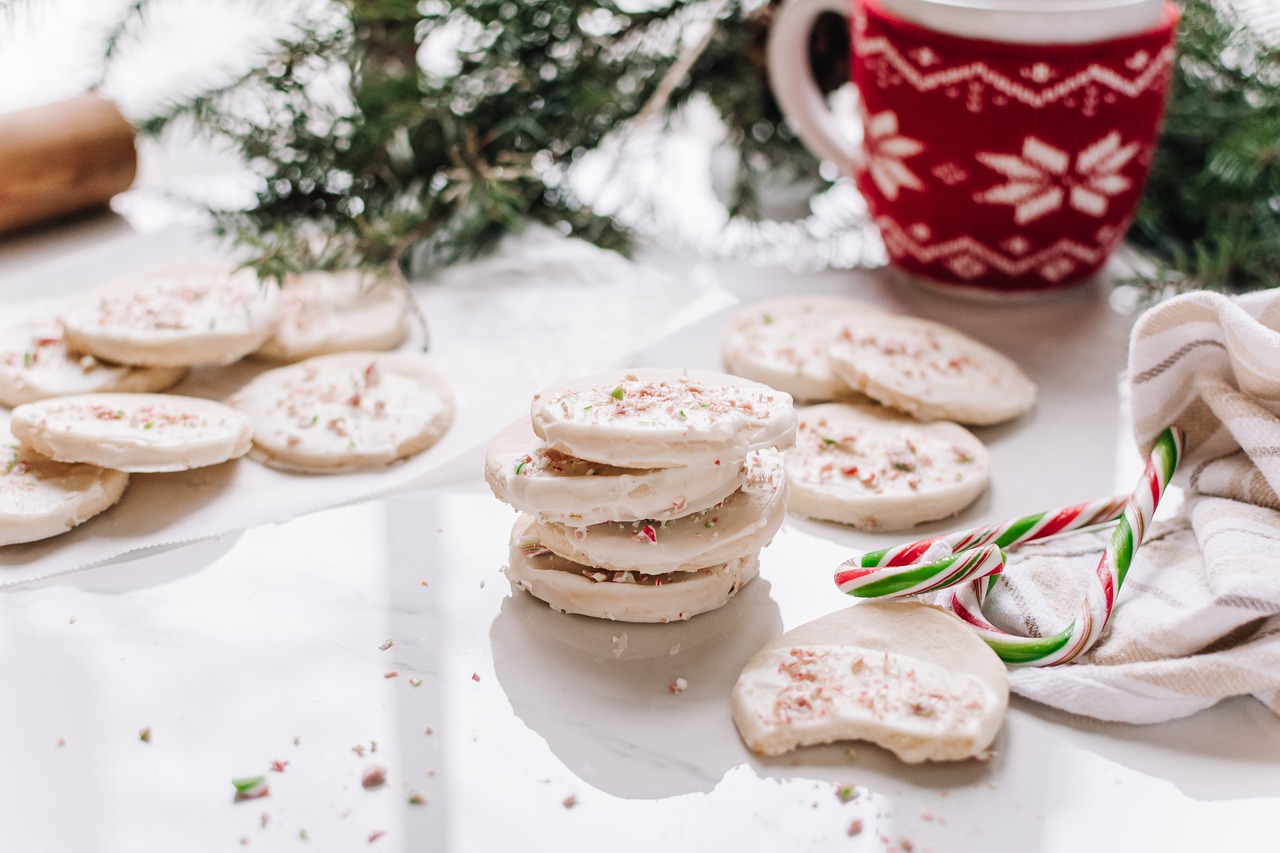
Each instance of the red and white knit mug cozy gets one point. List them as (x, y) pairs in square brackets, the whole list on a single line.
[(1000, 166)]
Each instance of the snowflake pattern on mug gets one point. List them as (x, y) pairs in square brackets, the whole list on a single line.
[(1041, 179), (886, 150)]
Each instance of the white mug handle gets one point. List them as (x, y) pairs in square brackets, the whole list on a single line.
[(797, 93)]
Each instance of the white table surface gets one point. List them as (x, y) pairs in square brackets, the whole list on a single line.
[(532, 730)]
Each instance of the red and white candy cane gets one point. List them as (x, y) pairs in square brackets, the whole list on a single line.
[(979, 559)]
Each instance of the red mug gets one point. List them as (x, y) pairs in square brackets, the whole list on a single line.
[(1004, 148)]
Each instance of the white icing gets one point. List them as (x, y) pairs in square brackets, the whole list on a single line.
[(133, 432), (323, 312), (876, 469), (181, 315), (556, 487), (744, 523), (40, 498), (820, 693), (624, 596), (783, 343), (345, 411), (35, 363), (930, 370), (652, 418)]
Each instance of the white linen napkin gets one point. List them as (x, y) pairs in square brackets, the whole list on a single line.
[(1198, 617)]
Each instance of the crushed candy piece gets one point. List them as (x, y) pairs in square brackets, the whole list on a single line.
[(375, 776), (250, 788)]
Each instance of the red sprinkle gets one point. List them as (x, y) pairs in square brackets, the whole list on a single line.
[(278, 766), (391, 673), (475, 676), (376, 834)]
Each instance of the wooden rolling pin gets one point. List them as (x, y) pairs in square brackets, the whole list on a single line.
[(61, 158)]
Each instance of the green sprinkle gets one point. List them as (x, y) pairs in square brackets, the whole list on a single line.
[(416, 798), (248, 786), (768, 318), (682, 414), (587, 408), (144, 734), (847, 793), (709, 524), (119, 413), (149, 425), (27, 359), (705, 405), (617, 393), (315, 419), (829, 441), (416, 682), (520, 465)]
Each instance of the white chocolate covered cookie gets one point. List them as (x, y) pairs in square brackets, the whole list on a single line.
[(744, 523), (909, 677), (554, 486), (662, 418), (783, 343), (929, 370), (877, 469), (198, 312), (35, 364), (40, 498), (345, 412), (133, 432), (627, 596), (327, 312)]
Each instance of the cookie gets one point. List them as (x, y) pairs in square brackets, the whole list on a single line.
[(929, 370), (345, 412), (877, 469), (197, 312), (533, 478), (660, 418), (626, 596), (744, 523), (35, 364), (40, 498), (133, 432), (783, 343), (907, 676), (328, 312)]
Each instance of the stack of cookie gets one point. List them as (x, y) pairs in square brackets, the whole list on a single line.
[(86, 417), (645, 495), (889, 453)]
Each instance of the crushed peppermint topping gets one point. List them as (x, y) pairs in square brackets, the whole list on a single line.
[(685, 402), (832, 682), (878, 459), (374, 777)]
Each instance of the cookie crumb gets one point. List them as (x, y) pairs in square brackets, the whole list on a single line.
[(375, 776), (570, 801), (386, 645)]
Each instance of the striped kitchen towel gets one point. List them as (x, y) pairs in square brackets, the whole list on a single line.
[(1198, 617)]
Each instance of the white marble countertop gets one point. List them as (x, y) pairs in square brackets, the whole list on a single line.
[(524, 729)]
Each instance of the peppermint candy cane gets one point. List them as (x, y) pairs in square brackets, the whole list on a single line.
[(1012, 533), (895, 572), (1078, 637)]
